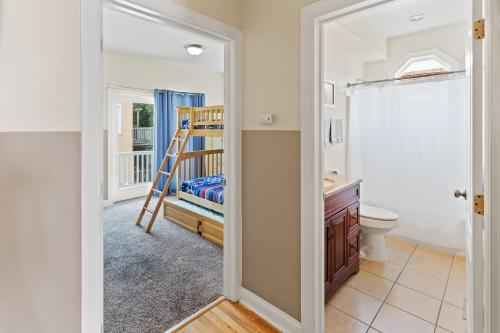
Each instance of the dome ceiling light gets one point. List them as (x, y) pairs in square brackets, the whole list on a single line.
[(194, 49)]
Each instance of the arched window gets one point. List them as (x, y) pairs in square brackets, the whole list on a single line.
[(425, 63)]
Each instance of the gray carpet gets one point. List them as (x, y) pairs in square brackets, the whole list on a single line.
[(151, 282)]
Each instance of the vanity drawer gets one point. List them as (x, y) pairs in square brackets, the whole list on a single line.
[(341, 199)]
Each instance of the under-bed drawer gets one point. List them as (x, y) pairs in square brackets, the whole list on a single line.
[(181, 216), (206, 227), (212, 230)]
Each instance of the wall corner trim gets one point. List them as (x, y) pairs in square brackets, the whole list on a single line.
[(269, 312)]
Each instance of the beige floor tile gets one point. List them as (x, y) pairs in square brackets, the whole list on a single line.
[(430, 268), (372, 330), (412, 301), (458, 269), (356, 304), (433, 255), (338, 322), (451, 319), (441, 330), (459, 261), (399, 244), (371, 284), (455, 292), (386, 270), (397, 257), (393, 320), (422, 283)]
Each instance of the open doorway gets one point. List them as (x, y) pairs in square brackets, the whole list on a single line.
[(152, 74), (396, 120)]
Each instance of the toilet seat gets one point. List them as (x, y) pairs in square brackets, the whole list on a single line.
[(376, 213)]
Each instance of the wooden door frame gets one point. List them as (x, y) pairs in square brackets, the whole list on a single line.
[(312, 243), (172, 14)]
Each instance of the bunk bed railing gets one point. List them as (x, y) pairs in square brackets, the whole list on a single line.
[(202, 163), (198, 116)]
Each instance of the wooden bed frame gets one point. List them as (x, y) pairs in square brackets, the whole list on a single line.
[(202, 116), (197, 164)]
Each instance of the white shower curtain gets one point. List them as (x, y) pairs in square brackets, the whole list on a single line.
[(408, 144)]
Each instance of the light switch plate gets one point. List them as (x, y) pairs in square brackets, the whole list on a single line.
[(266, 118)]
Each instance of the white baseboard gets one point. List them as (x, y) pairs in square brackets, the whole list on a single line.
[(269, 312)]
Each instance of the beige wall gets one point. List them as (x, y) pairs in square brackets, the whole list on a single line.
[(227, 11), (40, 242), (40, 65), (40, 251), (271, 70), (271, 215)]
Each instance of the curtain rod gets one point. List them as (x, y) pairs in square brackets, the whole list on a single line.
[(349, 85), (144, 90)]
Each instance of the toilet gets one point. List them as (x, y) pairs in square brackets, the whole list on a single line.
[(375, 223)]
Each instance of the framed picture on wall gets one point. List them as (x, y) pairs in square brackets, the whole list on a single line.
[(329, 93)]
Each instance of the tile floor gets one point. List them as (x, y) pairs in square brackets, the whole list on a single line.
[(418, 290)]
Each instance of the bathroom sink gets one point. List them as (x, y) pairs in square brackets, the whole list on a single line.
[(328, 184)]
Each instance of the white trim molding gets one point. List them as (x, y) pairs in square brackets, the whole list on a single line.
[(492, 188), (172, 14), (269, 312)]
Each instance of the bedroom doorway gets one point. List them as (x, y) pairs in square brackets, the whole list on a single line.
[(154, 280), (163, 233)]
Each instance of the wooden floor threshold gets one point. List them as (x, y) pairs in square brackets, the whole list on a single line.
[(222, 316), (195, 315)]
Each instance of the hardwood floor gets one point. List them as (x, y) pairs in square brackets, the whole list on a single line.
[(226, 316)]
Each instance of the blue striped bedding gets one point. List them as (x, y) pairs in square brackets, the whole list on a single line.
[(209, 188)]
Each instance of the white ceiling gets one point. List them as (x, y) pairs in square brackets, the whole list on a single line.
[(391, 20), (128, 34)]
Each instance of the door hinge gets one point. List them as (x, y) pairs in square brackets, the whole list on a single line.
[(479, 32), (479, 204)]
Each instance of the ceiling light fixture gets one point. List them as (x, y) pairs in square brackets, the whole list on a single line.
[(416, 18), (194, 49)]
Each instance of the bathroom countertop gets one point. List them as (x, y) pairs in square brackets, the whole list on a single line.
[(334, 184)]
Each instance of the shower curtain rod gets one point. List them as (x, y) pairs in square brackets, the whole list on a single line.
[(349, 85)]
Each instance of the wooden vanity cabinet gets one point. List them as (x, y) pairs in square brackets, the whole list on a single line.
[(341, 238)]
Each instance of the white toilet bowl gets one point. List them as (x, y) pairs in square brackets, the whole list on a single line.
[(375, 223)]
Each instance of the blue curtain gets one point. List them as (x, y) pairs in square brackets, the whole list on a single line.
[(165, 125)]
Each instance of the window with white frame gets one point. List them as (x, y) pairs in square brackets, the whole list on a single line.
[(423, 64)]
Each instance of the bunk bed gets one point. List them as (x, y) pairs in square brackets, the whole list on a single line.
[(199, 175)]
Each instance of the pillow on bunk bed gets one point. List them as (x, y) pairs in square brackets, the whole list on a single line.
[(185, 125), (209, 188)]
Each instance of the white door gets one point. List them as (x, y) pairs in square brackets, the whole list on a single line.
[(474, 225), (131, 143)]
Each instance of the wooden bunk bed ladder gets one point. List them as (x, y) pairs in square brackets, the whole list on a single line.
[(180, 141)]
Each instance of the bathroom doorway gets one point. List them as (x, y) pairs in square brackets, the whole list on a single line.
[(366, 129)]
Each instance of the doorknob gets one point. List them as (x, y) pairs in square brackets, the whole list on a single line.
[(459, 194)]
